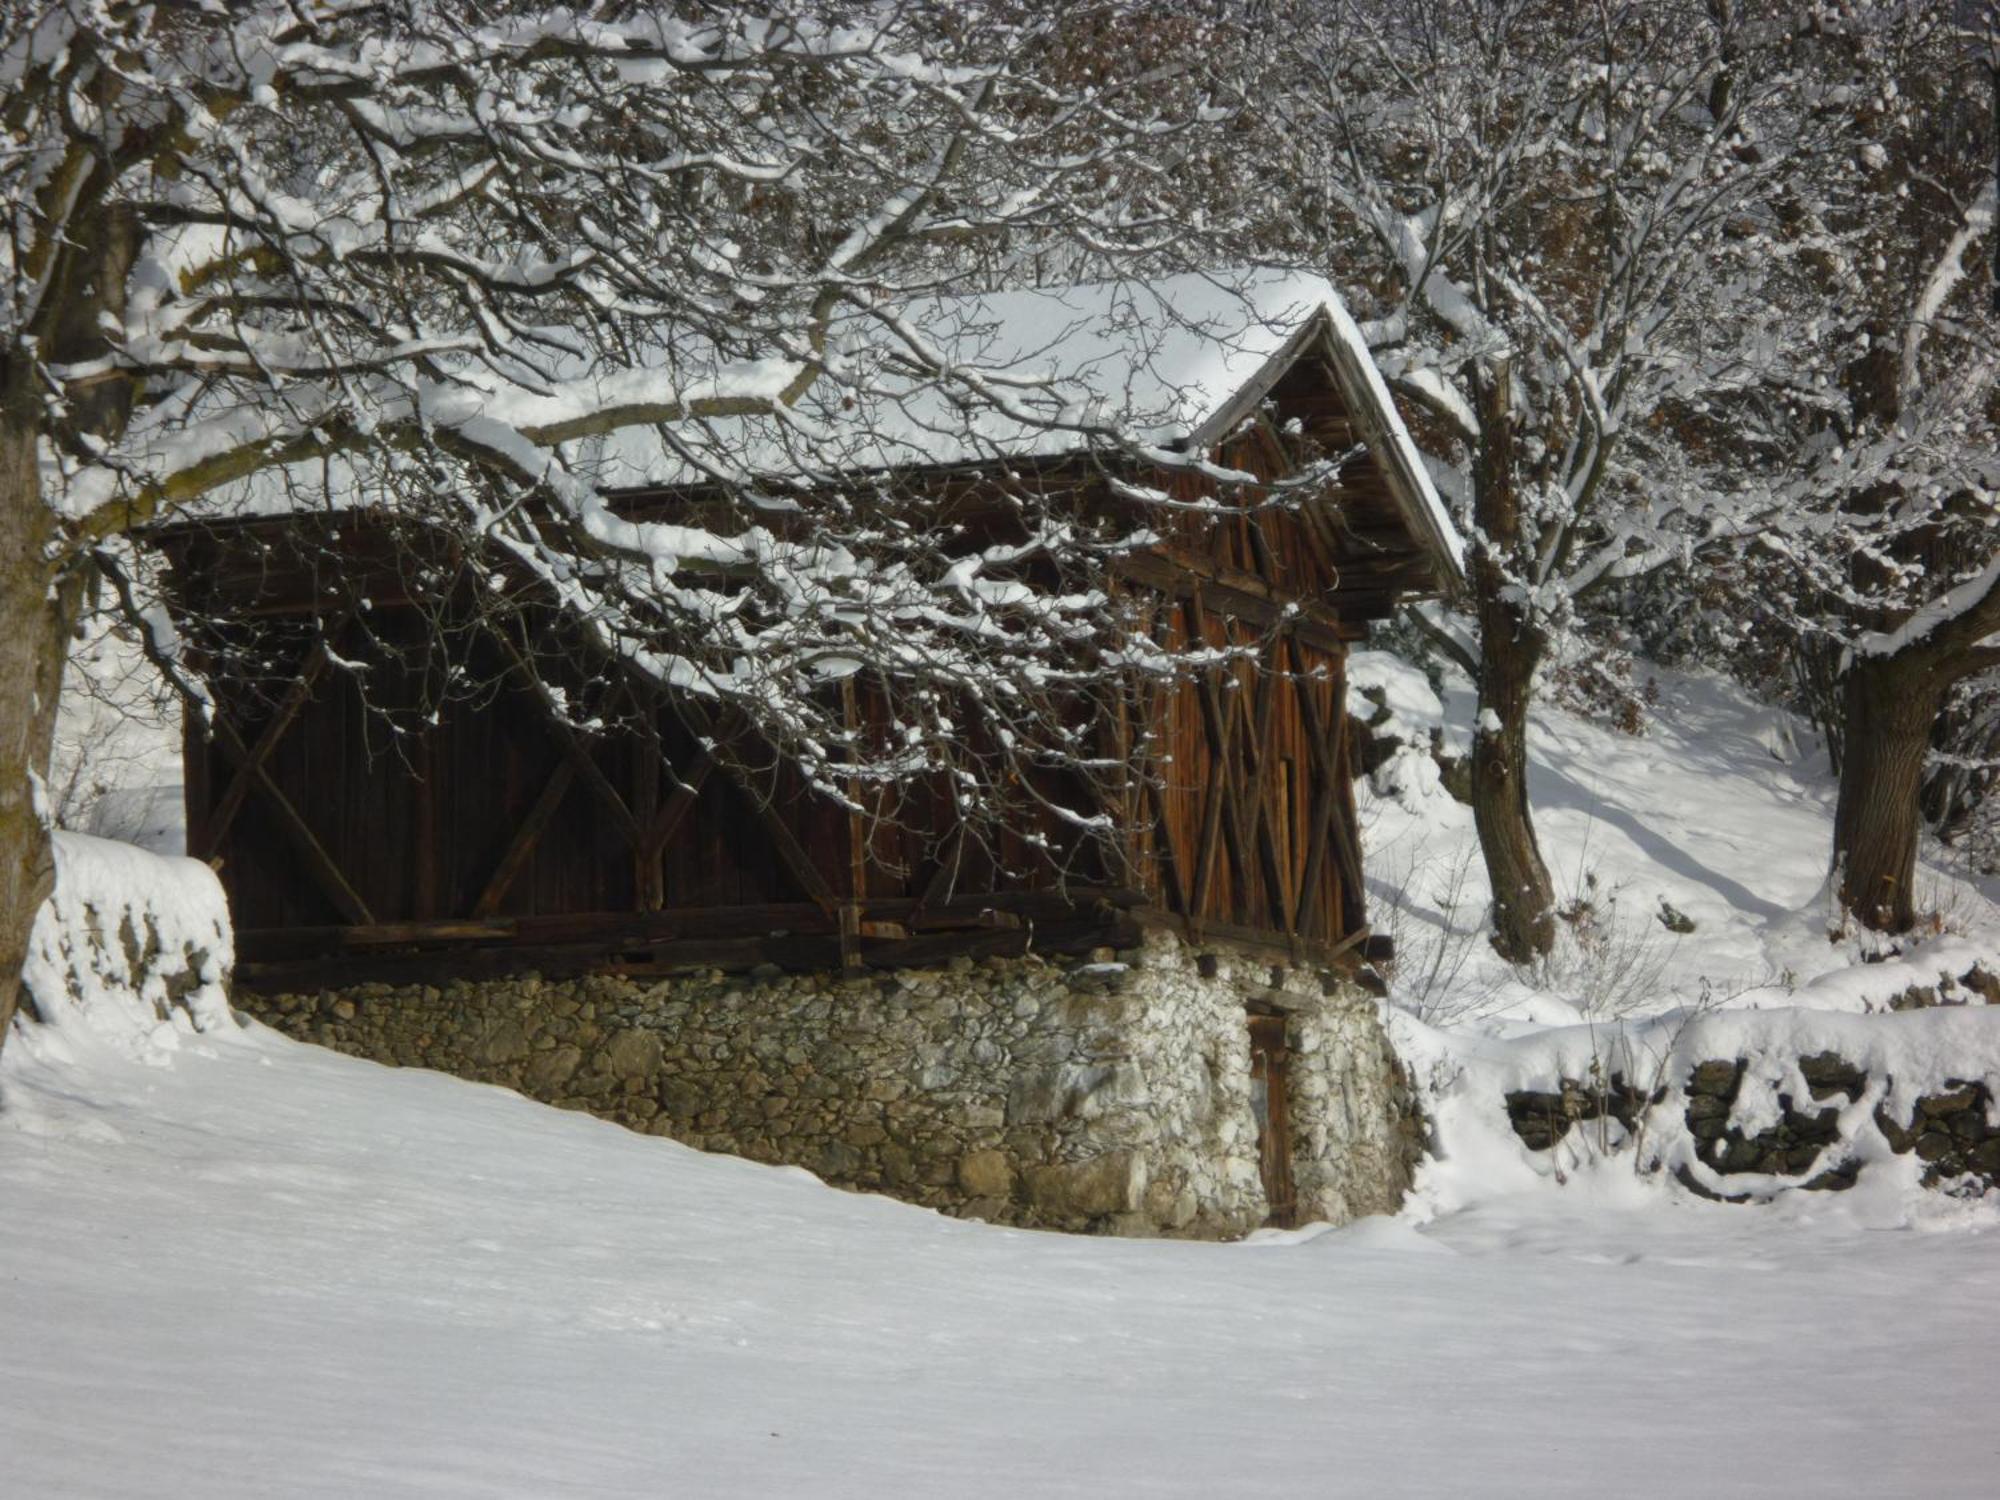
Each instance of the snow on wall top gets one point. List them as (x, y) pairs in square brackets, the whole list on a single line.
[(131, 947)]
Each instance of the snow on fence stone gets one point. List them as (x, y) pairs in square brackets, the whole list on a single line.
[(1889, 1070), (131, 946)]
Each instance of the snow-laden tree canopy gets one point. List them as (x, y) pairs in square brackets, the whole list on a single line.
[(444, 259)]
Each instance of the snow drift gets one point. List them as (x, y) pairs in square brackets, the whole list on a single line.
[(132, 949)]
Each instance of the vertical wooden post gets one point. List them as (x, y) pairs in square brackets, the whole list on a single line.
[(648, 873), (424, 814), (857, 840)]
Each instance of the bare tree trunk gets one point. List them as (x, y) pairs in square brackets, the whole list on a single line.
[(1891, 706), (1510, 648), (37, 613), (41, 596)]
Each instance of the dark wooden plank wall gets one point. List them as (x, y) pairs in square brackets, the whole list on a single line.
[(1249, 830)]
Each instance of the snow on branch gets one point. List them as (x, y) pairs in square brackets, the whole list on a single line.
[(480, 270)]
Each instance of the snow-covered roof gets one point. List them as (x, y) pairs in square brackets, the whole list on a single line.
[(1169, 365), (1172, 363)]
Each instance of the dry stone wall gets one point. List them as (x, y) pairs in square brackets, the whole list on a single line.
[(1110, 1096), (1747, 1150), (128, 940)]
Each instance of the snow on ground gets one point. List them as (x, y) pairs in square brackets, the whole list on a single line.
[(270, 1270), (233, 1265), (1722, 809)]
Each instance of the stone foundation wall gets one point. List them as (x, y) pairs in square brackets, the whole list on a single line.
[(1109, 1096)]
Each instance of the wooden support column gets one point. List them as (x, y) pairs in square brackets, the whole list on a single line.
[(857, 838), (426, 877), (648, 876)]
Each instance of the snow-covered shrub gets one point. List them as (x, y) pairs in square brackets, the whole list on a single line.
[(1600, 682), (1607, 962), (1432, 908)]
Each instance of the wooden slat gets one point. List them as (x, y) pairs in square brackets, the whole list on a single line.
[(648, 878), (571, 746), (1168, 851), (1320, 822), (680, 802), (1355, 912), (790, 851), (521, 847), (1228, 783), (1326, 770), (1207, 848), (318, 862), (424, 817), (938, 887), (216, 824), (1263, 608), (1268, 682)]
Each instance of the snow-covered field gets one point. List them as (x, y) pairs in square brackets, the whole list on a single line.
[(269, 1270), (231, 1265)]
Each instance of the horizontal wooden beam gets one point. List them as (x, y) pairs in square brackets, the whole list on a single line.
[(1317, 626), (964, 913), (1258, 941), (793, 952)]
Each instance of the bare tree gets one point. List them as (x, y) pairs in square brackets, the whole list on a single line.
[(435, 258), (1553, 209), (1865, 442)]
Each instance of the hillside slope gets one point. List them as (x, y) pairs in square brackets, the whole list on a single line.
[(1721, 811)]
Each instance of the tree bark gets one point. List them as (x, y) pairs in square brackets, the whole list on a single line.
[(1510, 648), (1891, 705), (42, 590), (37, 613)]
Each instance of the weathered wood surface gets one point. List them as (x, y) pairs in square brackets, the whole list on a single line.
[(343, 833)]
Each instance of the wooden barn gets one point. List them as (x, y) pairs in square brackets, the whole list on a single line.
[(499, 839), (637, 907)]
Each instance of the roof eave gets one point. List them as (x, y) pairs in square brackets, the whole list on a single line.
[(1409, 483)]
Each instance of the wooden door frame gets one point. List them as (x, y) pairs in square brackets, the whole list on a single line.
[(1270, 1059)]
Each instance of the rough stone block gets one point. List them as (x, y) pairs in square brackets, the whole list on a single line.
[(633, 1053), (1717, 1078), (547, 1072), (1037, 1096), (987, 1174), (1114, 1183), (507, 1042)]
